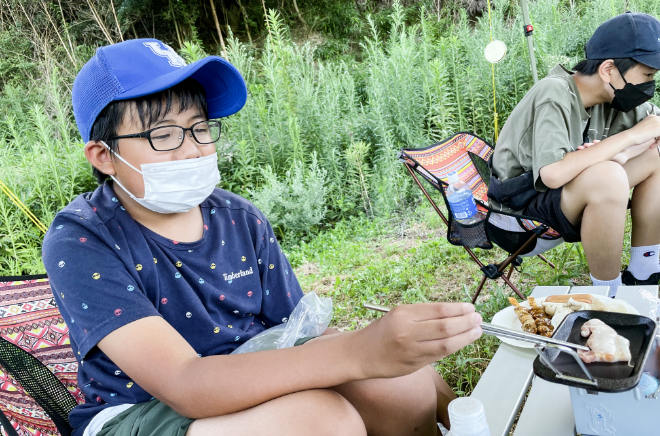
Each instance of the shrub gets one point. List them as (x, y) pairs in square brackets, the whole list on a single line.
[(296, 203)]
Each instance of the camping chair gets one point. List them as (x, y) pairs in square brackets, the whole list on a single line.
[(38, 371), (518, 235)]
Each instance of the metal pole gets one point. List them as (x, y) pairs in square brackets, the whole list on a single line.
[(530, 40)]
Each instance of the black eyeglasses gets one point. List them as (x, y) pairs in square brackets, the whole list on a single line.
[(166, 138)]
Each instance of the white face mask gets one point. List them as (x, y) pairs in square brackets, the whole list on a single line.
[(175, 186)]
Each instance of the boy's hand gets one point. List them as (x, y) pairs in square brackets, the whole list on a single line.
[(634, 151), (646, 130), (412, 336), (587, 144)]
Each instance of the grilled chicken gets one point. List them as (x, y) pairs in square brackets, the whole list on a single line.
[(605, 344)]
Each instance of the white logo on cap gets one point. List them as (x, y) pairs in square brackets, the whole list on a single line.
[(174, 59)]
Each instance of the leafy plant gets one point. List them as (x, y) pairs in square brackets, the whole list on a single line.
[(296, 203), (360, 173), (192, 51)]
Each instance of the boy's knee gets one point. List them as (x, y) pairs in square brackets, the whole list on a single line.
[(333, 415), (608, 182), (608, 172), (424, 389)]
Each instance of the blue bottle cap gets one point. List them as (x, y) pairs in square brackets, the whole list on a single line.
[(648, 384)]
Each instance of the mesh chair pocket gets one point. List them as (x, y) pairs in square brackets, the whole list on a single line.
[(510, 241), (471, 235)]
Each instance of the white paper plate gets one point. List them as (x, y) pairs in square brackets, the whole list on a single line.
[(508, 318)]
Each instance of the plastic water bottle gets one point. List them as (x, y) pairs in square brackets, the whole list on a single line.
[(461, 200), (467, 418)]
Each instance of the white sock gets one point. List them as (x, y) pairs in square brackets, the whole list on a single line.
[(613, 284), (644, 261)]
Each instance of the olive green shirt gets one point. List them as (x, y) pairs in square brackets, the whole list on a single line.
[(549, 122)]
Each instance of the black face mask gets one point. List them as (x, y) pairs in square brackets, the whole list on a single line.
[(631, 96)]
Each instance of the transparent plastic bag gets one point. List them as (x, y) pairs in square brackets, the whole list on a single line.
[(654, 304), (311, 317), (654, 307)]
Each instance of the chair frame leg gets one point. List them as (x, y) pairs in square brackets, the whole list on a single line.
[(6, 425), (508, 276), (501, 267), (479, 288), (543, 258)]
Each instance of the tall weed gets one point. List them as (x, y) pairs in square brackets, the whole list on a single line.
[(41, 161)]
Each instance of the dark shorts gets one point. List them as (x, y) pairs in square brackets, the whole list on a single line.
[(547, 208), (152, 418)]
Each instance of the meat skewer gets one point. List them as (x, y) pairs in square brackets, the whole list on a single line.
[(543, 322), (528, 324)]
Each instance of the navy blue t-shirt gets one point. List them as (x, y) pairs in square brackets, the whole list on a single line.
[(106, 270)]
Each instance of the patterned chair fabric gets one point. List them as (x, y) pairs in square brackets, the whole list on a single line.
[(452, 155), (467, 155), (519, 235), (38, 371)]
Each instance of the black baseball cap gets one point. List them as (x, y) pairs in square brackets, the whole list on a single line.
[(629, 35)]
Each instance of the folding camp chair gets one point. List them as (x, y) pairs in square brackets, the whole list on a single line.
[(38, 371), (518, 235)]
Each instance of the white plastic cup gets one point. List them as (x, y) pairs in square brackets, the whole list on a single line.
[(467, 418)]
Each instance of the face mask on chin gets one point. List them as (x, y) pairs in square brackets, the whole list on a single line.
[(175, 186), (631, 96)]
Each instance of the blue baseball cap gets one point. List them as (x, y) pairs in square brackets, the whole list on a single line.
[(629, 35), (140, 67)]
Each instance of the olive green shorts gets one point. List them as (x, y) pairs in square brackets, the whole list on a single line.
[(152, 418)]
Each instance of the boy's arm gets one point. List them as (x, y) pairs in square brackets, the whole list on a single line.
[(157, 358), (559, 173)]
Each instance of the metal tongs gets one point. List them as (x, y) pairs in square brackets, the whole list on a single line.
[(495, 330), (541, 343)]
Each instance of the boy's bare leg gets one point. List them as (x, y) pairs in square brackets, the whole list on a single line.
[(320, 412), (644, 175), (597, 199), (445, 396), (402, 406)]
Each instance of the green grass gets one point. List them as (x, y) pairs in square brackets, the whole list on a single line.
[(393, 262), (407, 259)]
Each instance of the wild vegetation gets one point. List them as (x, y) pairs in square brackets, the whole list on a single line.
[(317, 140), (335, 90)]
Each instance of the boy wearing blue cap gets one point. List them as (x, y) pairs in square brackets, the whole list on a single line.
[(577, 143), (160, 275)]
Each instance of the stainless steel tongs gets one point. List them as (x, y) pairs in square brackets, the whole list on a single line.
[(496, 330)]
